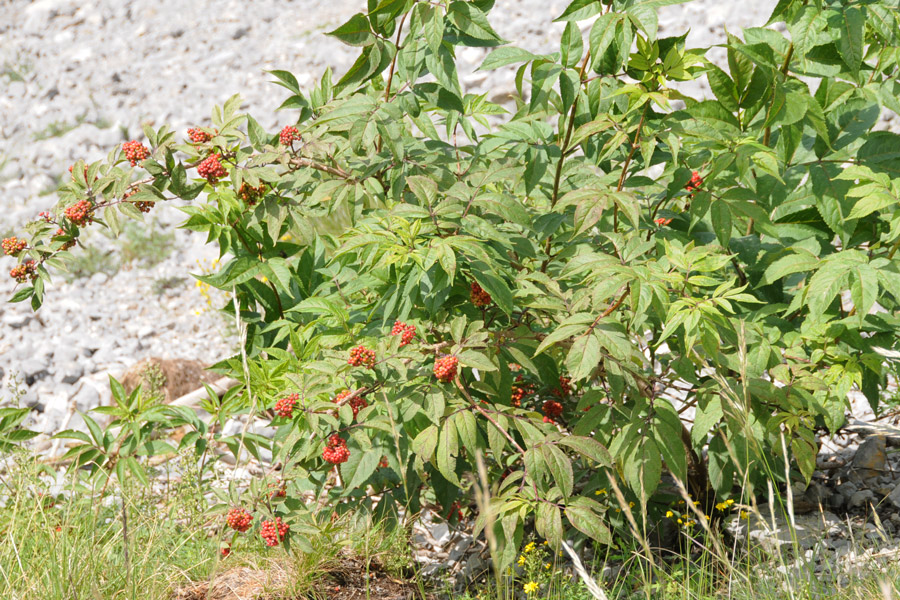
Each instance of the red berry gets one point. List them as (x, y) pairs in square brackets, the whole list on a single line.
[(211, 169), (12, 246), (662, 221), (272, 532), (288, 135), (445, 368), (478, 296), (26, 270), (135, 151), (45, 216), (80, 213), (239, 519), (225, 551), (198, 136), (552, 409), (383, 463), (406, 332), (285, 406), (361, 357), (336, 451)]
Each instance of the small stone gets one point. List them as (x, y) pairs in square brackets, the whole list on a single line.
[(16, 320), (440, 533), (33, 370), (894, 498), (861, 498), (69, 372), (870, 458)]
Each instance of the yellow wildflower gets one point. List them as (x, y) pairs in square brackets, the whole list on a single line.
[(729, 502), (745, 514), (529, 546), (631, 504), (669, 514), (722, 506), (522, 561), (530, 587), (600, 492), (547, 565)]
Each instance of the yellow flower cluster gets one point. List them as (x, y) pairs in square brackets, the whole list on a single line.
[(530, 587)]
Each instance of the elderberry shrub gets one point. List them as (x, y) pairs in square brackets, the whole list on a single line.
[(572, 264)]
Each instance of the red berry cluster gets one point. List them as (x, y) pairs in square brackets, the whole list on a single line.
[(198, 136), (288, 135), (45, 216), (142, 205), (361, 357), (211, 169), (695, 183), (455, 509), (272, 532), (251, 195), (279, 490), (68, 244), (565, 386), (357, 403), (13, 245), (662, 221), (27, 270), (80, 213), (552, 409), (521, 391), (406, 332), (225, 551), (239, 519), (478, 296), (135, 151), (445, 368), (285, 406), (336, 451)]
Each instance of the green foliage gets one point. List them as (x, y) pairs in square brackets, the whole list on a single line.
[(736, 252)]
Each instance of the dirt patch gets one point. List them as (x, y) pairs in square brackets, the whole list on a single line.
[(239, 583), (349, 581), (346, 579), (172, 378)]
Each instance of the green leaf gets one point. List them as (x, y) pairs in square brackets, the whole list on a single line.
[(286, 80), (493, 285), (476, 360), (720, 213), (471, 21), (852, 31), (579, 10), (643, 468), (359, 468), (560, 468), (585, 515), (425, 443), (583, 357), (467, 428), (589, 448), (506, 56), (355, 32), (571, 45), (257, 134), (447, 451), (548, 523)]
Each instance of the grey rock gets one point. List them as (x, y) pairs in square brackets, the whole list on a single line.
[(69, 372), (894, 498), (460, 549), (87, 398), (811, 529), (441, 533), (17, 320), (34, 370), (871, 457), (861, 498)]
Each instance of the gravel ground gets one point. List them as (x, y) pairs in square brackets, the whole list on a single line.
[(83, 77)]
